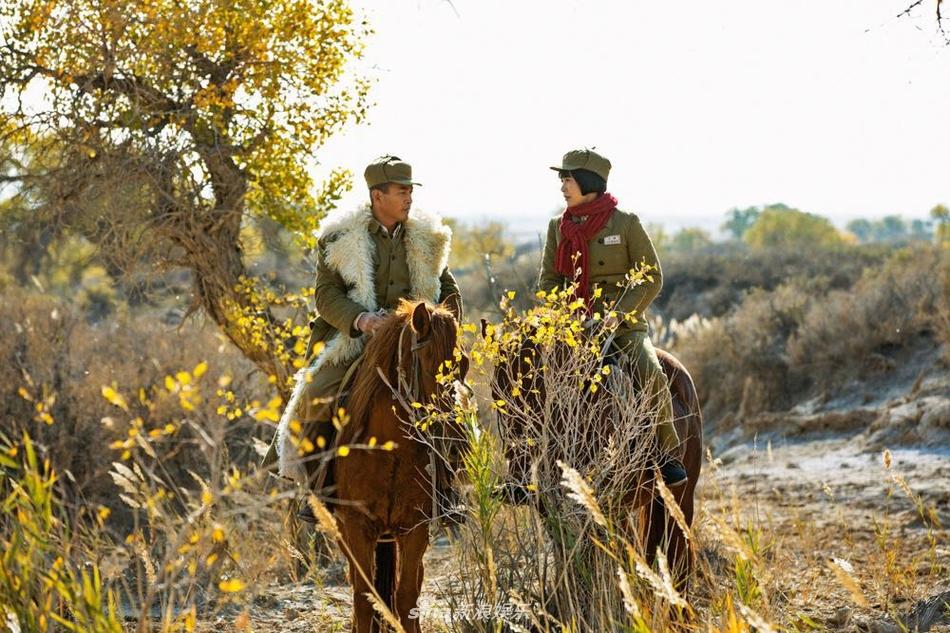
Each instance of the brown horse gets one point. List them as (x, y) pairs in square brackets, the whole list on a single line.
[(521, 383), (383, 498)]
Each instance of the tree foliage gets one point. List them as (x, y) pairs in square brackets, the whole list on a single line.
[(941, 215), (738, 221), (471, 243), (166, 125), (783, 227), (891, 229), (689, 240)]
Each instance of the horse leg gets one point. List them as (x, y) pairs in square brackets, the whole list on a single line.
[(680, 548), (359, 545), (412, 546), (664, 533)]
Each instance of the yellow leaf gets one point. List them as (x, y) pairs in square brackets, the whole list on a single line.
[(200, 369), (170, 383), (233, 585), (217, 535), (343, 451), (114, 397), (263, 415)]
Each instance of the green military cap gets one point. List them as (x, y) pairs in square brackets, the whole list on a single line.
[(585, 159), (388, 169)]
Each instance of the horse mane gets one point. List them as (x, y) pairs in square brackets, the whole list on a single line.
[(382, 351)]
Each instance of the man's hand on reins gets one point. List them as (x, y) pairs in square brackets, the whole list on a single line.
[(369, 321)]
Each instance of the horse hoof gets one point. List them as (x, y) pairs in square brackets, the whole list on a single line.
[(674, 473)]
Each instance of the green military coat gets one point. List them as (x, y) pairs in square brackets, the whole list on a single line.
[(621, 245), (391, 280)]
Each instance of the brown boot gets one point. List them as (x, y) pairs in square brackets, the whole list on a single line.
[(673, 473)]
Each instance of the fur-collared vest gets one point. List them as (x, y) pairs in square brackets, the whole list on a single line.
[(348, 249)]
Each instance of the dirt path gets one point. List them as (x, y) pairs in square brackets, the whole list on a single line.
[(817, 501)]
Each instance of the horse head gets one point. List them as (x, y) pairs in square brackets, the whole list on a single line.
[(433, 345)]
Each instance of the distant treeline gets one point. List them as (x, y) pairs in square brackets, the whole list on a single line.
[(767, 227)]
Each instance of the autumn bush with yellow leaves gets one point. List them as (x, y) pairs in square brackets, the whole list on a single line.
[(194, 509), (124, 481)]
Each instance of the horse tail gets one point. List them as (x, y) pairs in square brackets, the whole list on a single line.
[(384, 579)]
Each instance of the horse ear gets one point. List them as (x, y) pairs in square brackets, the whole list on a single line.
[(484, 328), (453, 303), (421, 319)]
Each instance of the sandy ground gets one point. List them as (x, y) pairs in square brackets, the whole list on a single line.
[(816, 501)]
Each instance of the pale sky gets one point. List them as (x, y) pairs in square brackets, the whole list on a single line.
[(836, 107)]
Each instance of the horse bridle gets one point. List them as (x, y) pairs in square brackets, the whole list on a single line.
[(415, 392), (405, 388), (414, 388)]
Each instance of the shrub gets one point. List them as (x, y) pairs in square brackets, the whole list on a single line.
[(885, 310), (777, 345), (55, 365)]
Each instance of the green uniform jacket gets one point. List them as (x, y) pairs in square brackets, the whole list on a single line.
[(336, 312), (621, 245)]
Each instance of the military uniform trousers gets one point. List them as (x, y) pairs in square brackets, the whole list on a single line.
[(315, 413), (315, 409), (634, 352)]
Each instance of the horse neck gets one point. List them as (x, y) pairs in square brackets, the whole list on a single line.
[(372, 396)]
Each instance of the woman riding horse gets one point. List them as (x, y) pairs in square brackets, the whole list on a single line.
[(593, 244)]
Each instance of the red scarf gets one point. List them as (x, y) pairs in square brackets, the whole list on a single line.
[(576, 235)]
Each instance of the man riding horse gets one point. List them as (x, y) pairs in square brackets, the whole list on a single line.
[(595, 244), (368, 260)]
